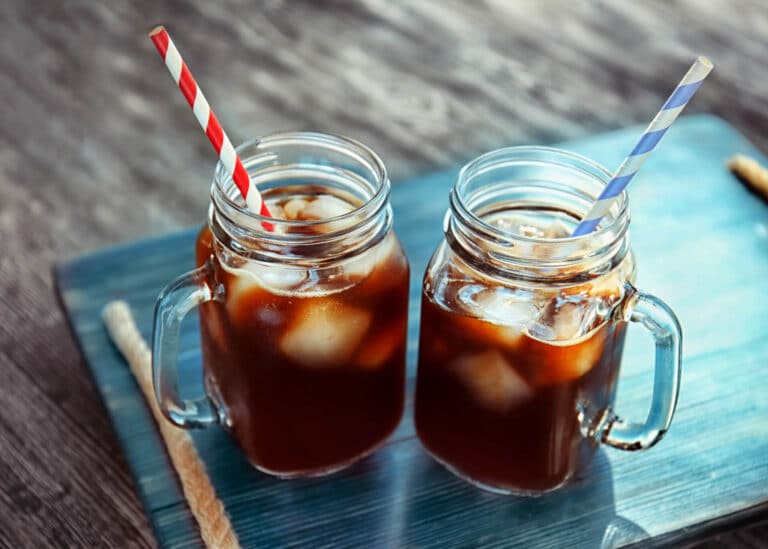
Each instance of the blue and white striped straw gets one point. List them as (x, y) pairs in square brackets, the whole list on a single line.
[(648, 141)]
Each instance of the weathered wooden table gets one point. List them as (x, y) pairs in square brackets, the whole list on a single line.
[(99, 148)]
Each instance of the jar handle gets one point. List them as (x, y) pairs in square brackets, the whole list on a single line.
[(176, 300), (658, 319)]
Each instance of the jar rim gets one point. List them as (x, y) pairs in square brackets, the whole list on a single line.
[(303, 162), (535, 177), (581, 163), (362, 153)]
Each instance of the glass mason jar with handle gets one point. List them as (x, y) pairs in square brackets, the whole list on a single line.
[(522, 327), (302, 316)]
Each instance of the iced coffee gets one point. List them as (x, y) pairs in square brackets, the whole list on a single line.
[(522, 326), (307, 362), (510, 372), (303, 312)]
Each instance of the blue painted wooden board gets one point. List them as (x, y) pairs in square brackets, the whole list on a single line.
[(702, 245)]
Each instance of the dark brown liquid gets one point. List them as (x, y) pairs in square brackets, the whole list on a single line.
[(290, 413), (507, 415)]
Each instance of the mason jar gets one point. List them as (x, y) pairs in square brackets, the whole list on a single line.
[(523, 326), (303, 315)]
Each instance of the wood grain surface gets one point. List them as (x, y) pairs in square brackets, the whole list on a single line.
[(710, 469), (98, 147)]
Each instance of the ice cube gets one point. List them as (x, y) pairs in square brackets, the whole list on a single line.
[(379, 347), (563, 361), (564, 342), (565, 318), (293, 208), (496, 315), (274, 278), (279, 278), (571, 320), (255, 277), (361, 266), (487, 333), (557, 229), (506, 306), (533, 225), (325, 207), (324, 333), (609, 286), (492, 380), (519, 224)]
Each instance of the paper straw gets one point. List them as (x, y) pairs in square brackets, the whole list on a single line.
[(208, 121), (644, 147), (215, 527)]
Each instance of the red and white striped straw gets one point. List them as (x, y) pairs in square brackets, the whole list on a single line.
[(208, 121)]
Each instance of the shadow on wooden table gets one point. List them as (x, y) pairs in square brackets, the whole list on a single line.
[(581, 514), (400, 497)]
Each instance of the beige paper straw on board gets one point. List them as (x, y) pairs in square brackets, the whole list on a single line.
[(751, 173), (215, 528)]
